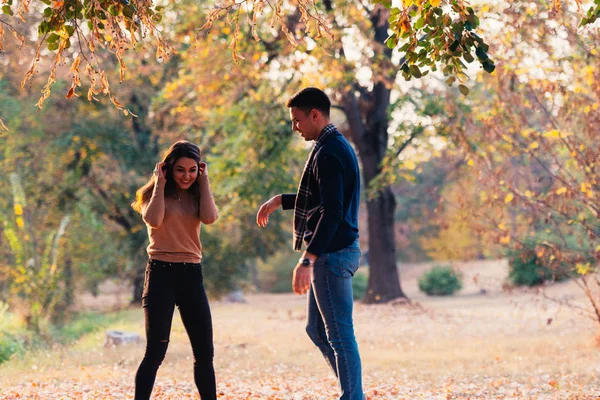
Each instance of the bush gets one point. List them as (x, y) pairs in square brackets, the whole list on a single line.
[(360, 283), (440, 281), (275, 273), (10, 346), (527, 269), (16, 341)]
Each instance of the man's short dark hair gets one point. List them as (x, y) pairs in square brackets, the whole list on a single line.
[(310, 98)]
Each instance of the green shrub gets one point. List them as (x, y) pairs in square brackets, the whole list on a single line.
[(360, 283), (527, 269), (440, 281), (16, 341), (81, 325), (275, 273), (10, 345)]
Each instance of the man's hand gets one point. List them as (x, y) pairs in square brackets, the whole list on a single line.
[(262, 218), (301, 279)]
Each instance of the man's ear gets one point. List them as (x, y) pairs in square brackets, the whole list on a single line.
[(314, 114)]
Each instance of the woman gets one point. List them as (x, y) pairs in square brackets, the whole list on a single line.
[(173, 204)]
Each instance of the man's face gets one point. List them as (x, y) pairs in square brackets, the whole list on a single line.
[(304, 123)]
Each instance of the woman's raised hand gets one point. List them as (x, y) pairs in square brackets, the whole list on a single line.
[(202, 169), (159, 172)]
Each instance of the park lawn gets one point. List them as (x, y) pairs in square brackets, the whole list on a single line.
[(474, 345)]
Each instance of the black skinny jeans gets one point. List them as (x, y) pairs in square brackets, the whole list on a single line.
[(166, 285)]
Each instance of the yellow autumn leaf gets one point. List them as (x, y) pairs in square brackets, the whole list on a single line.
[(435, 3), (528, 193), (471, 163), (509, 197), (501, 226), (505, 239), (534, 145), (553, 134), (404, 26), (18, 209), (20, 222), (561, 190), (585, 187), (540, 252), (409, 165), (582, 268)]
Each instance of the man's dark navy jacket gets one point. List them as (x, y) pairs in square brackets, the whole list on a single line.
[(332, 222)]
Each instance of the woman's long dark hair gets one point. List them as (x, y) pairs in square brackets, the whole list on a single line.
[(182, 148)]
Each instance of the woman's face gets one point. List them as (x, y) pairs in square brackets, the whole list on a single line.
[(185, 172)]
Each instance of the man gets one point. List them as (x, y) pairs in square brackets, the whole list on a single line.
[(326, 219)]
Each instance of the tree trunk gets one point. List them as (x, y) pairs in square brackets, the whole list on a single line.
[(371, 137), (69, 293), (384, 281), (251, 264), (367, 113)]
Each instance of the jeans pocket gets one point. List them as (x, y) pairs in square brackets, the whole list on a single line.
[(343, 263), (197, 273), (146, 285), (350, 261)]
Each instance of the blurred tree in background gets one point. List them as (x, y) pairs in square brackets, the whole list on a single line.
[(445, 176)]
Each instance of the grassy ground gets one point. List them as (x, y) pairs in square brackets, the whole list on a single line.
[(475, 345)]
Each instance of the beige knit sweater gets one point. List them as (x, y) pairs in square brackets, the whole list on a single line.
[(173, 224)]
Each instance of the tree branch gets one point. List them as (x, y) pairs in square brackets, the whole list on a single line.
[(413, 135), (116, 215)]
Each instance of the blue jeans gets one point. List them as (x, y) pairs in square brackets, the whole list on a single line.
[(329, 323)]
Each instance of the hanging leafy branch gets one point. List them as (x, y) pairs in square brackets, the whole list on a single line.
[(73, 30), (431, 34)]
